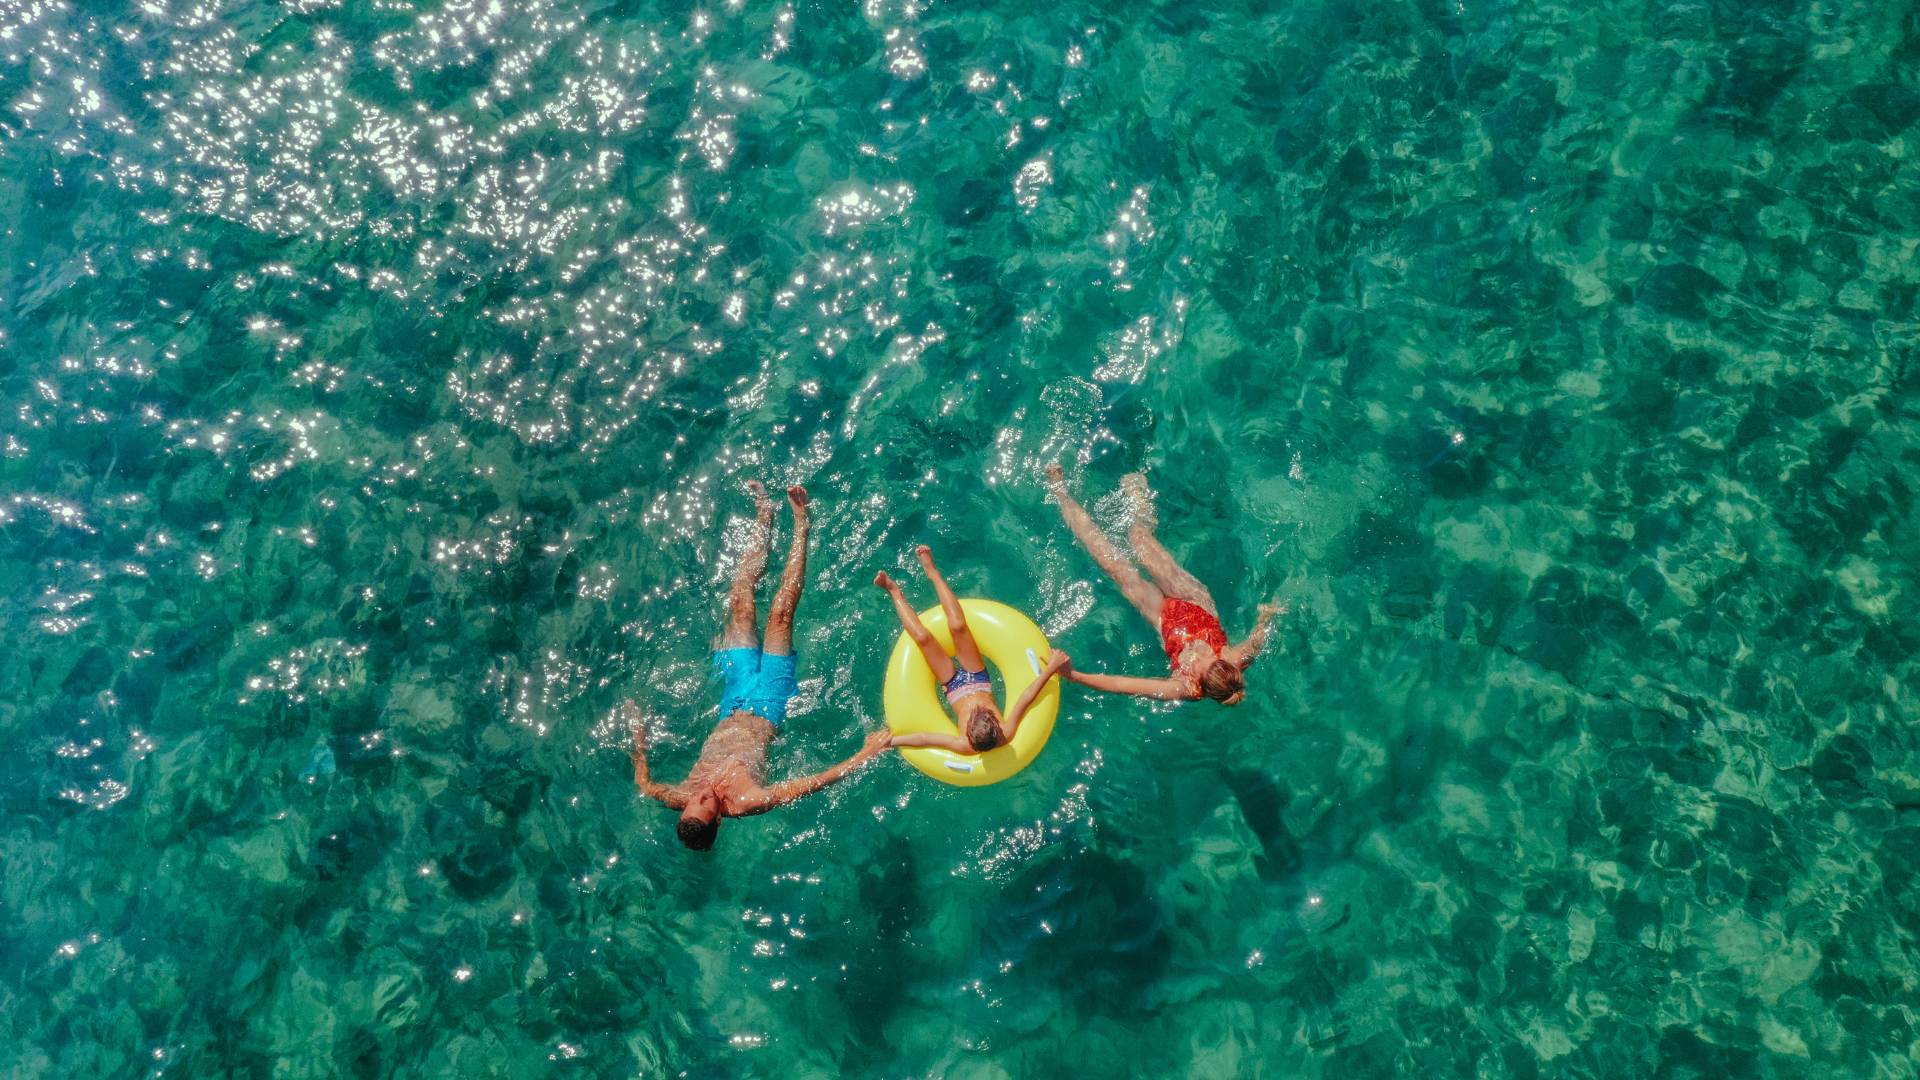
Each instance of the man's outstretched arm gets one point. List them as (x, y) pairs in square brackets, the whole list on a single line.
[(787, 791), (671, 796)]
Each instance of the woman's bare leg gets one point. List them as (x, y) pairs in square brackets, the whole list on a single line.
[(937, 657), (1140, 592), (964, 648), (792, 579), (1171, 576), (742, 630)]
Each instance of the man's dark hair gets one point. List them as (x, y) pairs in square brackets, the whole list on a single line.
[(698, 835), (1222, 680), (983, 729)]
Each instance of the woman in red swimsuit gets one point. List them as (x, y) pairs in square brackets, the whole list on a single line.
[(1204, 662)]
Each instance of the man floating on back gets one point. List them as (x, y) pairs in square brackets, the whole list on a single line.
[(757, 680)]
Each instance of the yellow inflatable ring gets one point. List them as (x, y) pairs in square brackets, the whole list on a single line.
[(1016, 649)]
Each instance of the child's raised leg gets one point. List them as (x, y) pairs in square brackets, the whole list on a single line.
[(1143, 594), (937, 657), (1168, 573), (964, 649)]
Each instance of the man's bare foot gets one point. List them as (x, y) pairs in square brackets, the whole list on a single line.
[(885, 581), (797, 496), (762, 506), (1056, 476)]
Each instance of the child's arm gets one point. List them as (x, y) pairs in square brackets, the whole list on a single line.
[(1059, 663), (673, 797), (1256, 641), (1160, 689), (937, 739)]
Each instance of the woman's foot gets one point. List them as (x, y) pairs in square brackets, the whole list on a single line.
[(925, 554), (1056, 477), (1145, 517), (884, 581)]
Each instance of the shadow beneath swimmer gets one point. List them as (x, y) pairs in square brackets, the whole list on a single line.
[(1088, 920), (890, 896), (1261, 803)]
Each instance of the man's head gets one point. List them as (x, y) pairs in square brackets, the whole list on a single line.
[(983, 729), (699, 822), (1223, 682)]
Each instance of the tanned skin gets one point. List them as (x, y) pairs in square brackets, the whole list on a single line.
[(967, 654), (1148, 597), (729, 779)]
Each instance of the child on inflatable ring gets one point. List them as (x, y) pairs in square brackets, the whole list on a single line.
[(964, 675)]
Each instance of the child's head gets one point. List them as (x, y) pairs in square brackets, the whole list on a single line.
[(1223, 682), (983, 728)]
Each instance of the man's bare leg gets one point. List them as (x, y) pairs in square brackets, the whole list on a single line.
[(792, 579), (1143, 594), (1167, 572), (742, 630), (917, 631)]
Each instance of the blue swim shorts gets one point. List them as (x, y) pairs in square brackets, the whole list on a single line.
[(756, 682)]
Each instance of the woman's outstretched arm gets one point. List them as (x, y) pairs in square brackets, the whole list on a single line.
[(1243, 654), (1159, 689)]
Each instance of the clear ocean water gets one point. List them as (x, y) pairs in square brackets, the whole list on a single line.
[(380, 380)]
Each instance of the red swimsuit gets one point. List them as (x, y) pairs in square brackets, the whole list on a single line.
[(1182, 622)]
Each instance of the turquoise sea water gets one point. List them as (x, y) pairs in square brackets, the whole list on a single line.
[(380, 380)]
